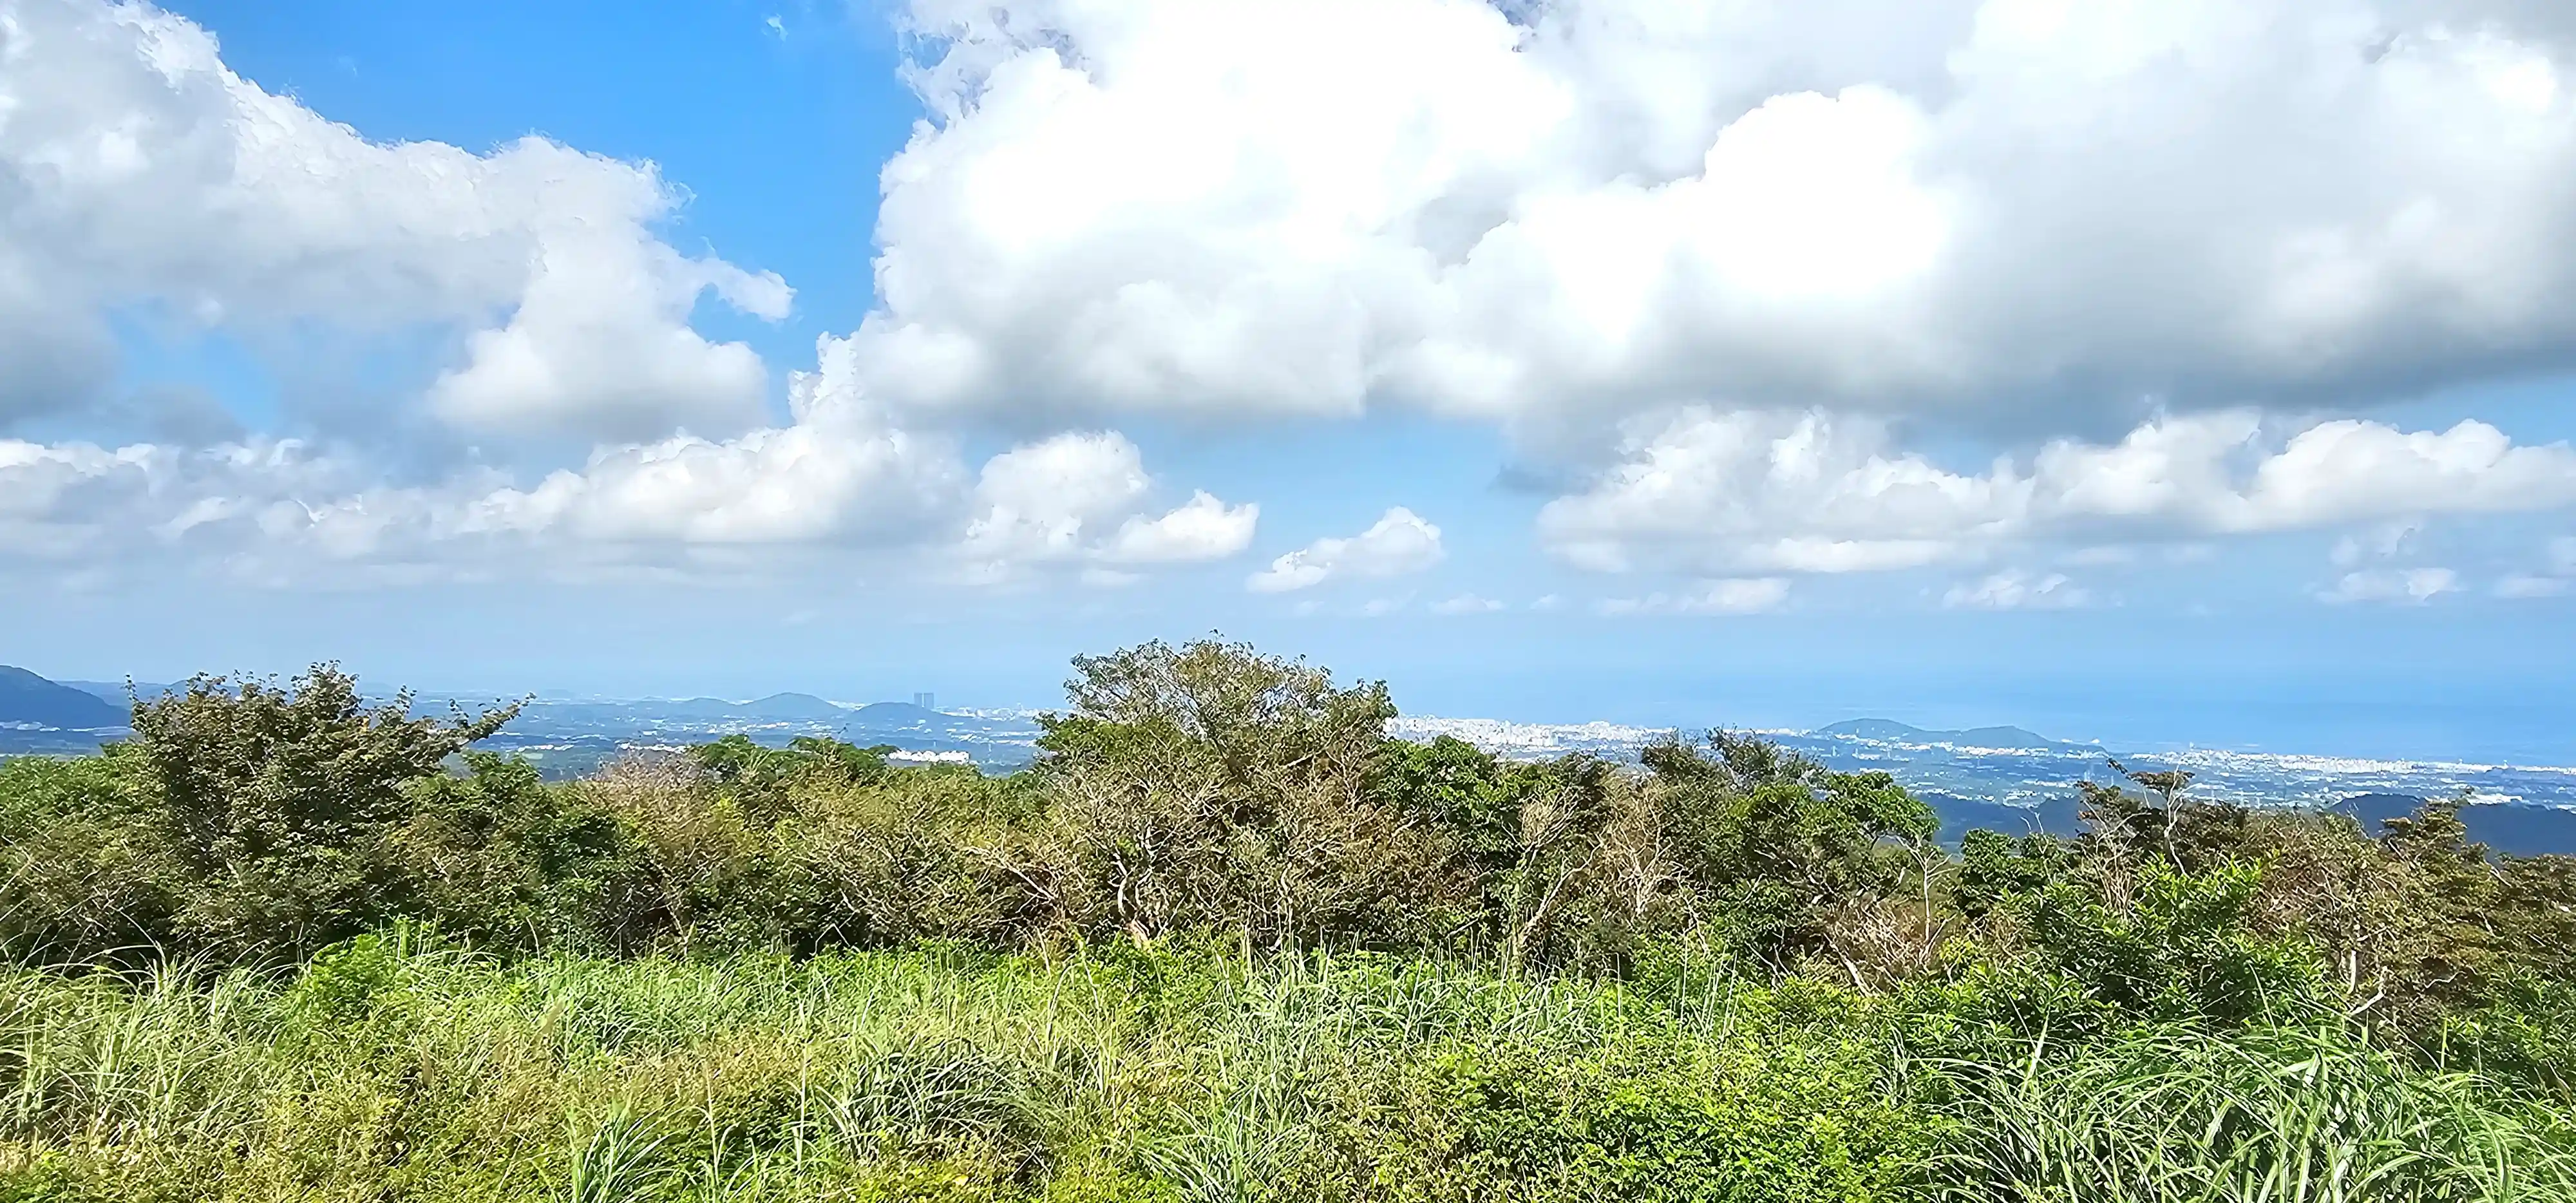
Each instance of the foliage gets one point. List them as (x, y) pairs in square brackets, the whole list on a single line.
[(502, 860), (2181, 948), (395, 1067), (1227, 940), (277, 796), (1211, 785)]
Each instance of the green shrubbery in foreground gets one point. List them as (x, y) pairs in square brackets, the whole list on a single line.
[(1228, 942)]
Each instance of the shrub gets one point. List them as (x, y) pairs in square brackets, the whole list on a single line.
[(88, 868), (279, 799), (503, 860), (1211, 785), (2179, 948)]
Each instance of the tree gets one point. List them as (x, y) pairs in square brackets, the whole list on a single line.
[(1211, 784), (2186, 833), (1775, 841), (279, 799)]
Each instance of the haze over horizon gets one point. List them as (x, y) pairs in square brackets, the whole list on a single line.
[(2186, 373)]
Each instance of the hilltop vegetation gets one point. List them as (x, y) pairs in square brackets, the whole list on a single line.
[(1228, 941)]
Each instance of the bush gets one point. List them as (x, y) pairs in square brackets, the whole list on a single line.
[(2179, 948), (505, 861), (88, 868), (1211, 785), (280, 800)]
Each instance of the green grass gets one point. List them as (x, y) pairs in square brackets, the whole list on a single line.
[(393, 1072)]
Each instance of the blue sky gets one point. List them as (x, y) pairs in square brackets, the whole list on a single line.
[(1629, 361)]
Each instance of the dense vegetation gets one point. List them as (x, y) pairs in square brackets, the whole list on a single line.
[(1227, 941)]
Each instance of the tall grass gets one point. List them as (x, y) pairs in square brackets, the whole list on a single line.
[(2277, 1116), (389, 1071)]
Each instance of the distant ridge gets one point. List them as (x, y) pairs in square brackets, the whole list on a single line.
[(28, 698), (2507, 828), (904, 716), (115, 693), (795, 705), (2510, 828), (1892, 731), (1959, 816), (776, 706)]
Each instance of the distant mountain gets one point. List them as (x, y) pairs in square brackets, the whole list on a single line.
[(28, 698), (904, 716), (689, 708), (777, 706), (795, 706), (1959, 816), (1891, 731), (114, 692), (2507, 828)]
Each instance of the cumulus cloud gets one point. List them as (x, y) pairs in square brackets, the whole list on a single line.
[(1076, 497), (2036, 213), (59, 501), (1735, 596), (1814, 492), (277, 501), (1466, 603), (2013, 589), (1400, 542), (838, 473), (1203, 529), (1772, 247), (2402, 586), (137, 170), (1035, 501)]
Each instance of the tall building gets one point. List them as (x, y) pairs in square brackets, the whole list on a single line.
[(927, 701)]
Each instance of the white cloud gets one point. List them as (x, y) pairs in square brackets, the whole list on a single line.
[(1035, 501), (2406, 586), (62, 501), (2037, 211), (1812, 492), (1076, 497), (1790, 245), (1466, 603), (1734, 596), (1399, 543), (1803, 492), (593, 349), (828, 477), (838, 471), (2013, 589), (138, 171), (1203, 529)]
